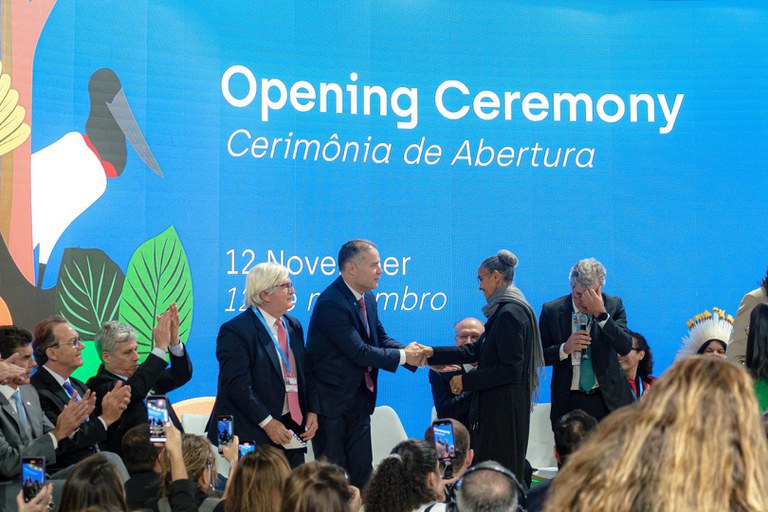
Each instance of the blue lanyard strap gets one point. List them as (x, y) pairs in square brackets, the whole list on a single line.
[(279, 350)]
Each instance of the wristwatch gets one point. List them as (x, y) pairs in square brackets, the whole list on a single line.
[(602, 317)]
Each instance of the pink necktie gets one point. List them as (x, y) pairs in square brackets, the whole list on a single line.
[(367, 375), (293, 396)]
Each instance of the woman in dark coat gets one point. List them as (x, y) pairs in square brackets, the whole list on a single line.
[(508, 356)]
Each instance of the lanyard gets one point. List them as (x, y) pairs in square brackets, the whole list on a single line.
[(279, 350), (639, 386)]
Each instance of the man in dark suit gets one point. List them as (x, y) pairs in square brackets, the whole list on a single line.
[(448, 404), (582, 333), (262, 381), (117, 347), (58, 349), (24, 430), (346, 347)]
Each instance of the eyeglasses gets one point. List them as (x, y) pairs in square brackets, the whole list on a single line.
[(287, 286), (637, 349), (75, 342)]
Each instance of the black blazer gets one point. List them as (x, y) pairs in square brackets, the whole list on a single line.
[(53, 398), (339, 351), (612, 339), (151, 376), (448, 405), (251, 385)]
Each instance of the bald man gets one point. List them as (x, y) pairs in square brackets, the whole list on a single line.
[(447, 404)]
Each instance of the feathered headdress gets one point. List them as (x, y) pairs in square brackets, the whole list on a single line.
[(705, 327)]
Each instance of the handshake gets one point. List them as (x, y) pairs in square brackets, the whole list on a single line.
[(417, 354)]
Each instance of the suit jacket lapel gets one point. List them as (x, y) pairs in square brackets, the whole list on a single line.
[(566, 318), (355, 307), (8, 410), (52, 385), (264, 338), (34, 416)]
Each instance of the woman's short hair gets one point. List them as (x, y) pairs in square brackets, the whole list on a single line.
[(399, 482), (587, 273), (93, 481), (504, 262), (645, 366), (199, 456), (258, 481), (649, 456), (317, 486), (263, 277), (757, 342)]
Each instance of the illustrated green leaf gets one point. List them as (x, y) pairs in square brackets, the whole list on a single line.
[(157, 276), (88, 290)]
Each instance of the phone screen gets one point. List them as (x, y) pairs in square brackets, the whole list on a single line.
[(246, 448), (225, 430), (444, 443), (157, 415), (32, 476)]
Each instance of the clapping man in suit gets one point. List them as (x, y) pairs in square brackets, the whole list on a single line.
[(58, 349), (24, 430), (582, 333), (346, 347), (447, 403), (118, 349), (262, 381)]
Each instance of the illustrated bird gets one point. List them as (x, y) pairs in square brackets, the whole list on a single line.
[(71, 174)]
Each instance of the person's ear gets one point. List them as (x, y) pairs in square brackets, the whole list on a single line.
[(641, 355), (557, 455), (469, 459)]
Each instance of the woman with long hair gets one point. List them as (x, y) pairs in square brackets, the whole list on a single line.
[(319, 486), (508, 357), (638, 365), (407, 480), (757, 352), (650, 456), (258, 480), (94, 481)]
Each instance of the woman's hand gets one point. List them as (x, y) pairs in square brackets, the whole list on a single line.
[(39, 503)]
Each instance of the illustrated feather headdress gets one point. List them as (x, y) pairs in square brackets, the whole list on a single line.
[(704, 327)]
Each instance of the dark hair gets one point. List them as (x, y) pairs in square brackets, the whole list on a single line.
[(351, 249), (706, 344), (504, 262), (764, 283), (757, 342), (43, 337), (571, 430), (12, 337), (258, 481), (317, 486), (94, 481), (399, 482), (139, 453), (645, 366), (460, 439)]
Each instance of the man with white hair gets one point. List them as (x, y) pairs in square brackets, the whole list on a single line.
[(262, 382), (582, 333)]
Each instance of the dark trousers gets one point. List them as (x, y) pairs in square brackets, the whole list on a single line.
[(346, 440), (591, 403)]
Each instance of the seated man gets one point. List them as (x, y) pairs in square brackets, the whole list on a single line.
[(117, 347), (459, 465), (571, 430), (24, 430), (58, 348)]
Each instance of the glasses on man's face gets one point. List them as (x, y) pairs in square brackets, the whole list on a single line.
[(74, 342), (285, 286)]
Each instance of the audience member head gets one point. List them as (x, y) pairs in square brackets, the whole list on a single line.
[(117, 348), (258, 481), (757, 342), (639, 360), (570, 431), (404, 480), (464, 454), (649, 456), (17, 340), (140, 455), (93, 482), (199, 459), (468, 330), (317, 486), (496, 272), (708, 335), (360, 265), (487, 487), (57, 344)]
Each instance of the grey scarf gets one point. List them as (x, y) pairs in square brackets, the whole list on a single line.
[(512, 293)]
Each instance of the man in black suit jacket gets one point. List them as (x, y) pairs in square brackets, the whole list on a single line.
[(58, 349), (117, 347), (261, 384), (586, 329), (346, 346), (448, 404)]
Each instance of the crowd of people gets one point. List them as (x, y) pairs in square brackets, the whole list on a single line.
[(629, 437)]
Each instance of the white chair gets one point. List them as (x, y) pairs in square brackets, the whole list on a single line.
[(386, 431), (541, 440)]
